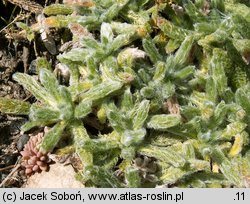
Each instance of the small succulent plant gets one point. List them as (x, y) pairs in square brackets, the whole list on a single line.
[(33, 160), (166, 80)]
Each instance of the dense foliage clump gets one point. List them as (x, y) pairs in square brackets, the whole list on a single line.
[(157, 91)]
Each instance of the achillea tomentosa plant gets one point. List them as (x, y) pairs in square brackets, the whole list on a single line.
[(128, 61)]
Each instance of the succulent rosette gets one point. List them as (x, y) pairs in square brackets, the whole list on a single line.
[(33, 160)]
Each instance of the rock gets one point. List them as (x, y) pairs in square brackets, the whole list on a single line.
[(58, 176), (22, 141), (15, 125)]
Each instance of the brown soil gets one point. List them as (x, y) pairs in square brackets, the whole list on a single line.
[(16, 55)]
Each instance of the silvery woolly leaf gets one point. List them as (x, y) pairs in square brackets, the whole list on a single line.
[(128, 153), (79, 132), (29, 33), (122, 40), (171, 30), (201, 99), (100, 145), (106, 33), (240, 76), (243, 165), (144, 75), (65, 96), (171, 155), (168, 90), (162, 69), (29, 83), (132, 177), (242, 26), (164, 121), (220, 112), (141, 3), (193, 126), (102, 177), (127, 102), (237, 145), (127, 56), (75, 89), (101, 114), (59, 21), (243, 47), (242, 98), (112, 64), (90, 43), (151, 50), (83, 109), (13, 106), (206, 27), (193, 12), (87, 4), (190, 112), (185, 72), (211, 179), (147, 92), (188, 149), (44, 115), (219, 36), (217, 70), (199, 165), (31, 124), (218, 4), (233, 129), (57, 9), (91, 22), (42, 63), (133, 137), (226, 167), (172, 174), (75, 55), (50, 83), (141, 114), (211, 90), (80, 136), (113, 10), (119, 28), (172, 45), (92, 66), (111, 158), (109, 70), (101, 90), (65, 104), (183, 53), (163, 139), (53, 136), (117, 120)]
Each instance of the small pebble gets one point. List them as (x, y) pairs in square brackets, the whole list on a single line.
[(22, 141), (15, 126), (32, 68)]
